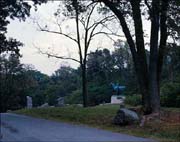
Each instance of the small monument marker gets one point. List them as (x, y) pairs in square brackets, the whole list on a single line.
[(60, 101), (118, 98), (29, 102)]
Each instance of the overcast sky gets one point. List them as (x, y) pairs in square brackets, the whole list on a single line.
[(28, 33)]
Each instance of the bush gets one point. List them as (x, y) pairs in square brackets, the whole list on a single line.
[(170, 95), (74, 98), (134, 100), (98, 94)]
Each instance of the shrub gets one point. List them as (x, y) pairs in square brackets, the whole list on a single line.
[(98, 94), (170, 95), (74, 98), (134, 100)]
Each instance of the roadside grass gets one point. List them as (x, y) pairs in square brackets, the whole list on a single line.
[(172, 109), (102, 116)]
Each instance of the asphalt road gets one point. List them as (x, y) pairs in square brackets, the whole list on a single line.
[(20, 128)]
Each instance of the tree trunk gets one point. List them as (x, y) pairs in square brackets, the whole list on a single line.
[(84, 85), (153, 65), (163, 38), (144, 89), (148, 76), (141, 65), (139, 58)]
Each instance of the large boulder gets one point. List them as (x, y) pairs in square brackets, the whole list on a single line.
[(125, 116)]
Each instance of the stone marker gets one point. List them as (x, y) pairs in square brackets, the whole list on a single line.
[(45, 105), (60, 101), (29, 102)]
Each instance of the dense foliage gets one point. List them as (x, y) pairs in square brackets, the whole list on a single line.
[(103, 68), (13, 83)]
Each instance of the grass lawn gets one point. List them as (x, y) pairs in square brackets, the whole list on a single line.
[(102, 116)]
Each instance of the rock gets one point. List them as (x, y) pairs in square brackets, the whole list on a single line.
[(80, 105), (125, 116), (44, 105), (131, 114), (119, 119)]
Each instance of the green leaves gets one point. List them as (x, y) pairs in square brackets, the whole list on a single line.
[(19, 9)]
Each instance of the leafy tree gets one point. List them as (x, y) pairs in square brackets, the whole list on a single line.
[(39, 85), (159, 12), (11, 9), (13, 85), (170, 89), (171, 62), (66, 79), (104, 67), (99, 66), (123, 63)]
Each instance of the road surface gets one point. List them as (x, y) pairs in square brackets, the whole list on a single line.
[(20, 128)]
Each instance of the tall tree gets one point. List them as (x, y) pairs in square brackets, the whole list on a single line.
[(87, 26), (148, 74), (11, 92)]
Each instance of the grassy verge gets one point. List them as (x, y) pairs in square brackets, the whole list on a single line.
[(101, 117)]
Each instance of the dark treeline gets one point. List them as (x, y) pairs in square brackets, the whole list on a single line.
[(103, 68)]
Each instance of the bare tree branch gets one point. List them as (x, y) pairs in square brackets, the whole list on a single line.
[(106, 33), (78, 33), (148, 6), (111, 17), (82, 22), (86, 43), (55, 55), (59, 33), (89, 15)]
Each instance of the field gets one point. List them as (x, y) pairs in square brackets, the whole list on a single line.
[(102, 116)]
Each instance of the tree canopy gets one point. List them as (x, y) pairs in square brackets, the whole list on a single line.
[(13, 9)]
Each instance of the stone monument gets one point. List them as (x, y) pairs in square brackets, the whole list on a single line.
[(118, 98), (29, 102), (45, 105), (60, 101)]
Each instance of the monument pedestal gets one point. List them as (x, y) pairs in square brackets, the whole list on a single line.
[(117, 99)]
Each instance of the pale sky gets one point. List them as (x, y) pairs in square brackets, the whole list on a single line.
[(28, 33)]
